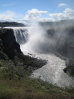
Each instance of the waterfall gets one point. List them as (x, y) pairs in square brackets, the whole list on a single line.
[(37, 45), (21, 35)]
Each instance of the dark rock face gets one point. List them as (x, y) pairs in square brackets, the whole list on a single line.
[(9, 42), (50, 32), (2, 55), (69, 68)]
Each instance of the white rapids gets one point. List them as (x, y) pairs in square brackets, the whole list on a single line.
[(53, 71)]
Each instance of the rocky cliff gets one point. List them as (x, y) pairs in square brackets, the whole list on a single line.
[(9, 43)]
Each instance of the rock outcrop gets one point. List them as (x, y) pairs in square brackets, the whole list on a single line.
[(2, 55), (9, 42), (69, 68)]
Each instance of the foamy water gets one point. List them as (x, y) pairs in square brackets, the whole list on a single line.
[(52, 71)]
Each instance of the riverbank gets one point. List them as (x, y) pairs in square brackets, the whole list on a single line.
[(13, 85)]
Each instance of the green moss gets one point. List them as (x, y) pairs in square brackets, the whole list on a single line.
[(16, 84), (28, 88)]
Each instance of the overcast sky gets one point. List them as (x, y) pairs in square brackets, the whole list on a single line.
[(36, 10)]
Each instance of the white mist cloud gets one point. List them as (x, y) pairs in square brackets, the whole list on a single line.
[(46, 19), (62, 4), (34, 14)]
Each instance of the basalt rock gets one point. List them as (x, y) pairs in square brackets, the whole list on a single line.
[(9, 42), (2, 55), (69, 68)]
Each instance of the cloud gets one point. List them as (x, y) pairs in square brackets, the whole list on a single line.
[(9, 15), (34, 14), (67, 14), (62, 4), (8, 4)]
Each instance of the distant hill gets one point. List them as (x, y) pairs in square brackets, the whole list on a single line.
[(11, 24), (58, 24)]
